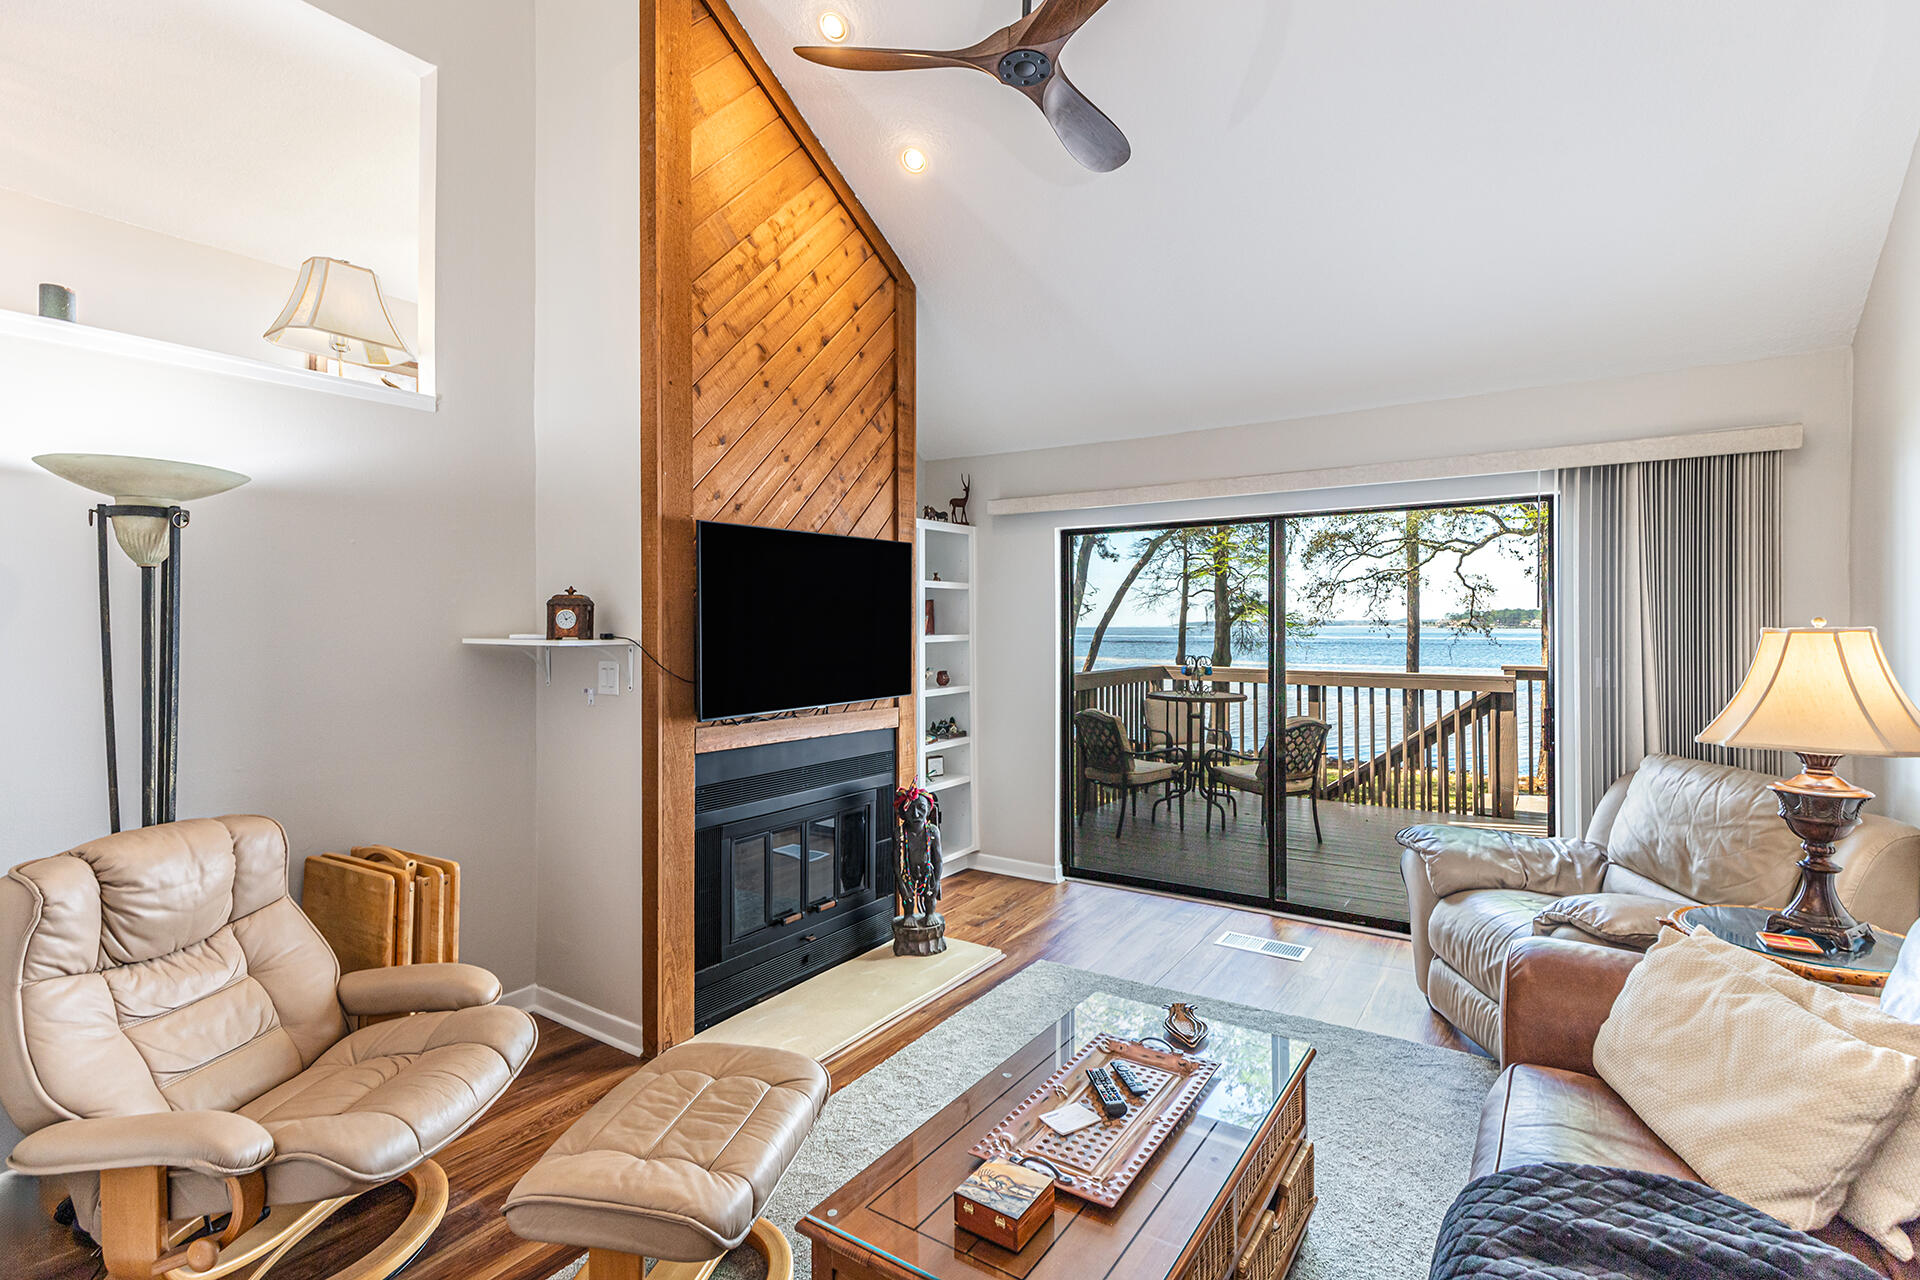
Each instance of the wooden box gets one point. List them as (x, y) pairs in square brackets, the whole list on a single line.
[(1004, 1202)]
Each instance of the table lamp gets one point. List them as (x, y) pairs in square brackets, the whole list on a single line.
[(337, 311), (1820, 692)]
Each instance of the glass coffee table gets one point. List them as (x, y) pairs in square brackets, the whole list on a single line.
[(1232, 1186)]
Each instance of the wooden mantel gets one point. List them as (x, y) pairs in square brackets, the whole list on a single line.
[(777, 389)]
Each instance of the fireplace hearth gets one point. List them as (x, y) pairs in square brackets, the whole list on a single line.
[(793, 864)]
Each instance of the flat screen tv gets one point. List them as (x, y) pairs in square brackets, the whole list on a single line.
[(788, 621)]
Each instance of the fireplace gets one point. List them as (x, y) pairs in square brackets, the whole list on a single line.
[(793, 864)]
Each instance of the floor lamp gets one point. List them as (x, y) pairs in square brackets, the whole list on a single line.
[(147, 521)]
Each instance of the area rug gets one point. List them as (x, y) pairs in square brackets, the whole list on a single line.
[(1392, 1122), (852, 1001)]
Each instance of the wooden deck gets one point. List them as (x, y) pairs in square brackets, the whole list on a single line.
[(1354, 868)]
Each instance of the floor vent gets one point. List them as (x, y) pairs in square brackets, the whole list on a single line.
[(1265, 946)]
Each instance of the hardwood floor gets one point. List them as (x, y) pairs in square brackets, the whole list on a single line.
[(1352, 978)]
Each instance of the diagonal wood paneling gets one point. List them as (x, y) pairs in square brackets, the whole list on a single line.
[(790, 319)]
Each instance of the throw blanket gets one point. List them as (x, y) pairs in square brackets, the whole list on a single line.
[(1582, 1222)]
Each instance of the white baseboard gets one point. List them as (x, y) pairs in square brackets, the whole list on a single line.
[(607, 1028), (1015, 867)]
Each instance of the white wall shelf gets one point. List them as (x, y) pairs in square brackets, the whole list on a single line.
[(948, 550), (81, 337), (540, 649)]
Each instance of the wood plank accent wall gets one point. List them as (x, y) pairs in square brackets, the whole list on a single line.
[(777, 336)]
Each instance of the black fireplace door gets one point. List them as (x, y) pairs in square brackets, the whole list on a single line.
[(783, 867)]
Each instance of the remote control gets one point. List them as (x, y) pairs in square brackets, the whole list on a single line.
[(1109, 1096), (1129, 1079)]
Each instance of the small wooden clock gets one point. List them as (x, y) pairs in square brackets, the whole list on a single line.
[(569, 616)]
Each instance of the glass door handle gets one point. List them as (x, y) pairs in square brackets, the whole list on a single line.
[(828, 905)]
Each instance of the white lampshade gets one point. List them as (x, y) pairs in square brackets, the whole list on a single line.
[(337, 311), (1822, 690), (141, 482)]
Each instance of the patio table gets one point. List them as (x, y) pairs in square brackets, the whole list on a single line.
[(1196, 703)]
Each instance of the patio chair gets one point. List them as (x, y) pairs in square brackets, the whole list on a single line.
[(1168, 728), (1303, 756), (1108, 757)]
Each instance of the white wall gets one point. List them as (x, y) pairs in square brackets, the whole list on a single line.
[(587, 419), (1886, 478), (323, 681), (1018, 557)]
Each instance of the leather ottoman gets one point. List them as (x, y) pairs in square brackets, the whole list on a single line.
[(676, 1163)]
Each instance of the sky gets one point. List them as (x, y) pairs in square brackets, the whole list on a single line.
[(1514, 588)]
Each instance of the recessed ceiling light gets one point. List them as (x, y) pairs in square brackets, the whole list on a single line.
[(833, 26), (913, 160)]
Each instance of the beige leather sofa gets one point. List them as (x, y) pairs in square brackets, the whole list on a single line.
[(1672, 833)]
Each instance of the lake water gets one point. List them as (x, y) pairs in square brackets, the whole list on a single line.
[(1340, 646)]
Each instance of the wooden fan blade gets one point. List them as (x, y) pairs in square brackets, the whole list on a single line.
[(1089, 137), (856, 59), (1056, 20)]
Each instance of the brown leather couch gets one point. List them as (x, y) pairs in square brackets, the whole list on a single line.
[(1672, 833), (1549, 1105)]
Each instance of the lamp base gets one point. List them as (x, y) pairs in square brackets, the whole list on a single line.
[(1821, 808)]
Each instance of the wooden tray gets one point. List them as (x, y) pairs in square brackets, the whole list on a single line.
[(1101, 1161)]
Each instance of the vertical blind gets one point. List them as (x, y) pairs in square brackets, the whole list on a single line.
[(1668, 572)]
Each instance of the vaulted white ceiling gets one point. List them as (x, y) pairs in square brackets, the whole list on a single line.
[(267, 128), (1343, 203)]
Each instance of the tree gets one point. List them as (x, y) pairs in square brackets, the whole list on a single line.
[(1146, 553), (1383, 559)]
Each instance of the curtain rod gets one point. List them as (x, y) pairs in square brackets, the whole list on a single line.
[(1696, 444)]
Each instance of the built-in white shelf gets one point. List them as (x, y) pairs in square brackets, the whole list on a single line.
[(540, 649), (131, 346), (948, 550)]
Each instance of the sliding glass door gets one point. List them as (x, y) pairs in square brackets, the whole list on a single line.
[(1170, 649), (1253, 709)]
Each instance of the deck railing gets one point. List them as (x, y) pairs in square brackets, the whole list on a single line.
[(1447, 742)]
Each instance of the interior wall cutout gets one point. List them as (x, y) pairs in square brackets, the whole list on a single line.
[(216, 145)]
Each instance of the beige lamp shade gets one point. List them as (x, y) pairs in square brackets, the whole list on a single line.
[(1822, 690), (337, 311), (141, 482)]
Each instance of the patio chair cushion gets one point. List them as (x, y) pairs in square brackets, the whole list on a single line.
[(1241, 777), (1141, 772)]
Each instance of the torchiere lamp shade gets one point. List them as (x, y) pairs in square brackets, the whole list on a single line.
[(141, 482), (1825, 690), (337, 311)]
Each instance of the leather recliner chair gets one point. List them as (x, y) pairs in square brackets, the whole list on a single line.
[(1673, 833), (174, 1044)]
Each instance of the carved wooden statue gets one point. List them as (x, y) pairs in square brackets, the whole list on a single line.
[(958, 506), (918, 927)]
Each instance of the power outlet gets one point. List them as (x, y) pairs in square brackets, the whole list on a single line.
[(610, 679)]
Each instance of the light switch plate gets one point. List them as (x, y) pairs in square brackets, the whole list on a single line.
[(610, 678)]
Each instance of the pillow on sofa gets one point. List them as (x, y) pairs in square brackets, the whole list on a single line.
[(1886, 1196), (1616, 919), (1715, 1060)]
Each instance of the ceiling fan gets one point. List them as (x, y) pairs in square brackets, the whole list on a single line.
[(1024, 56)]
